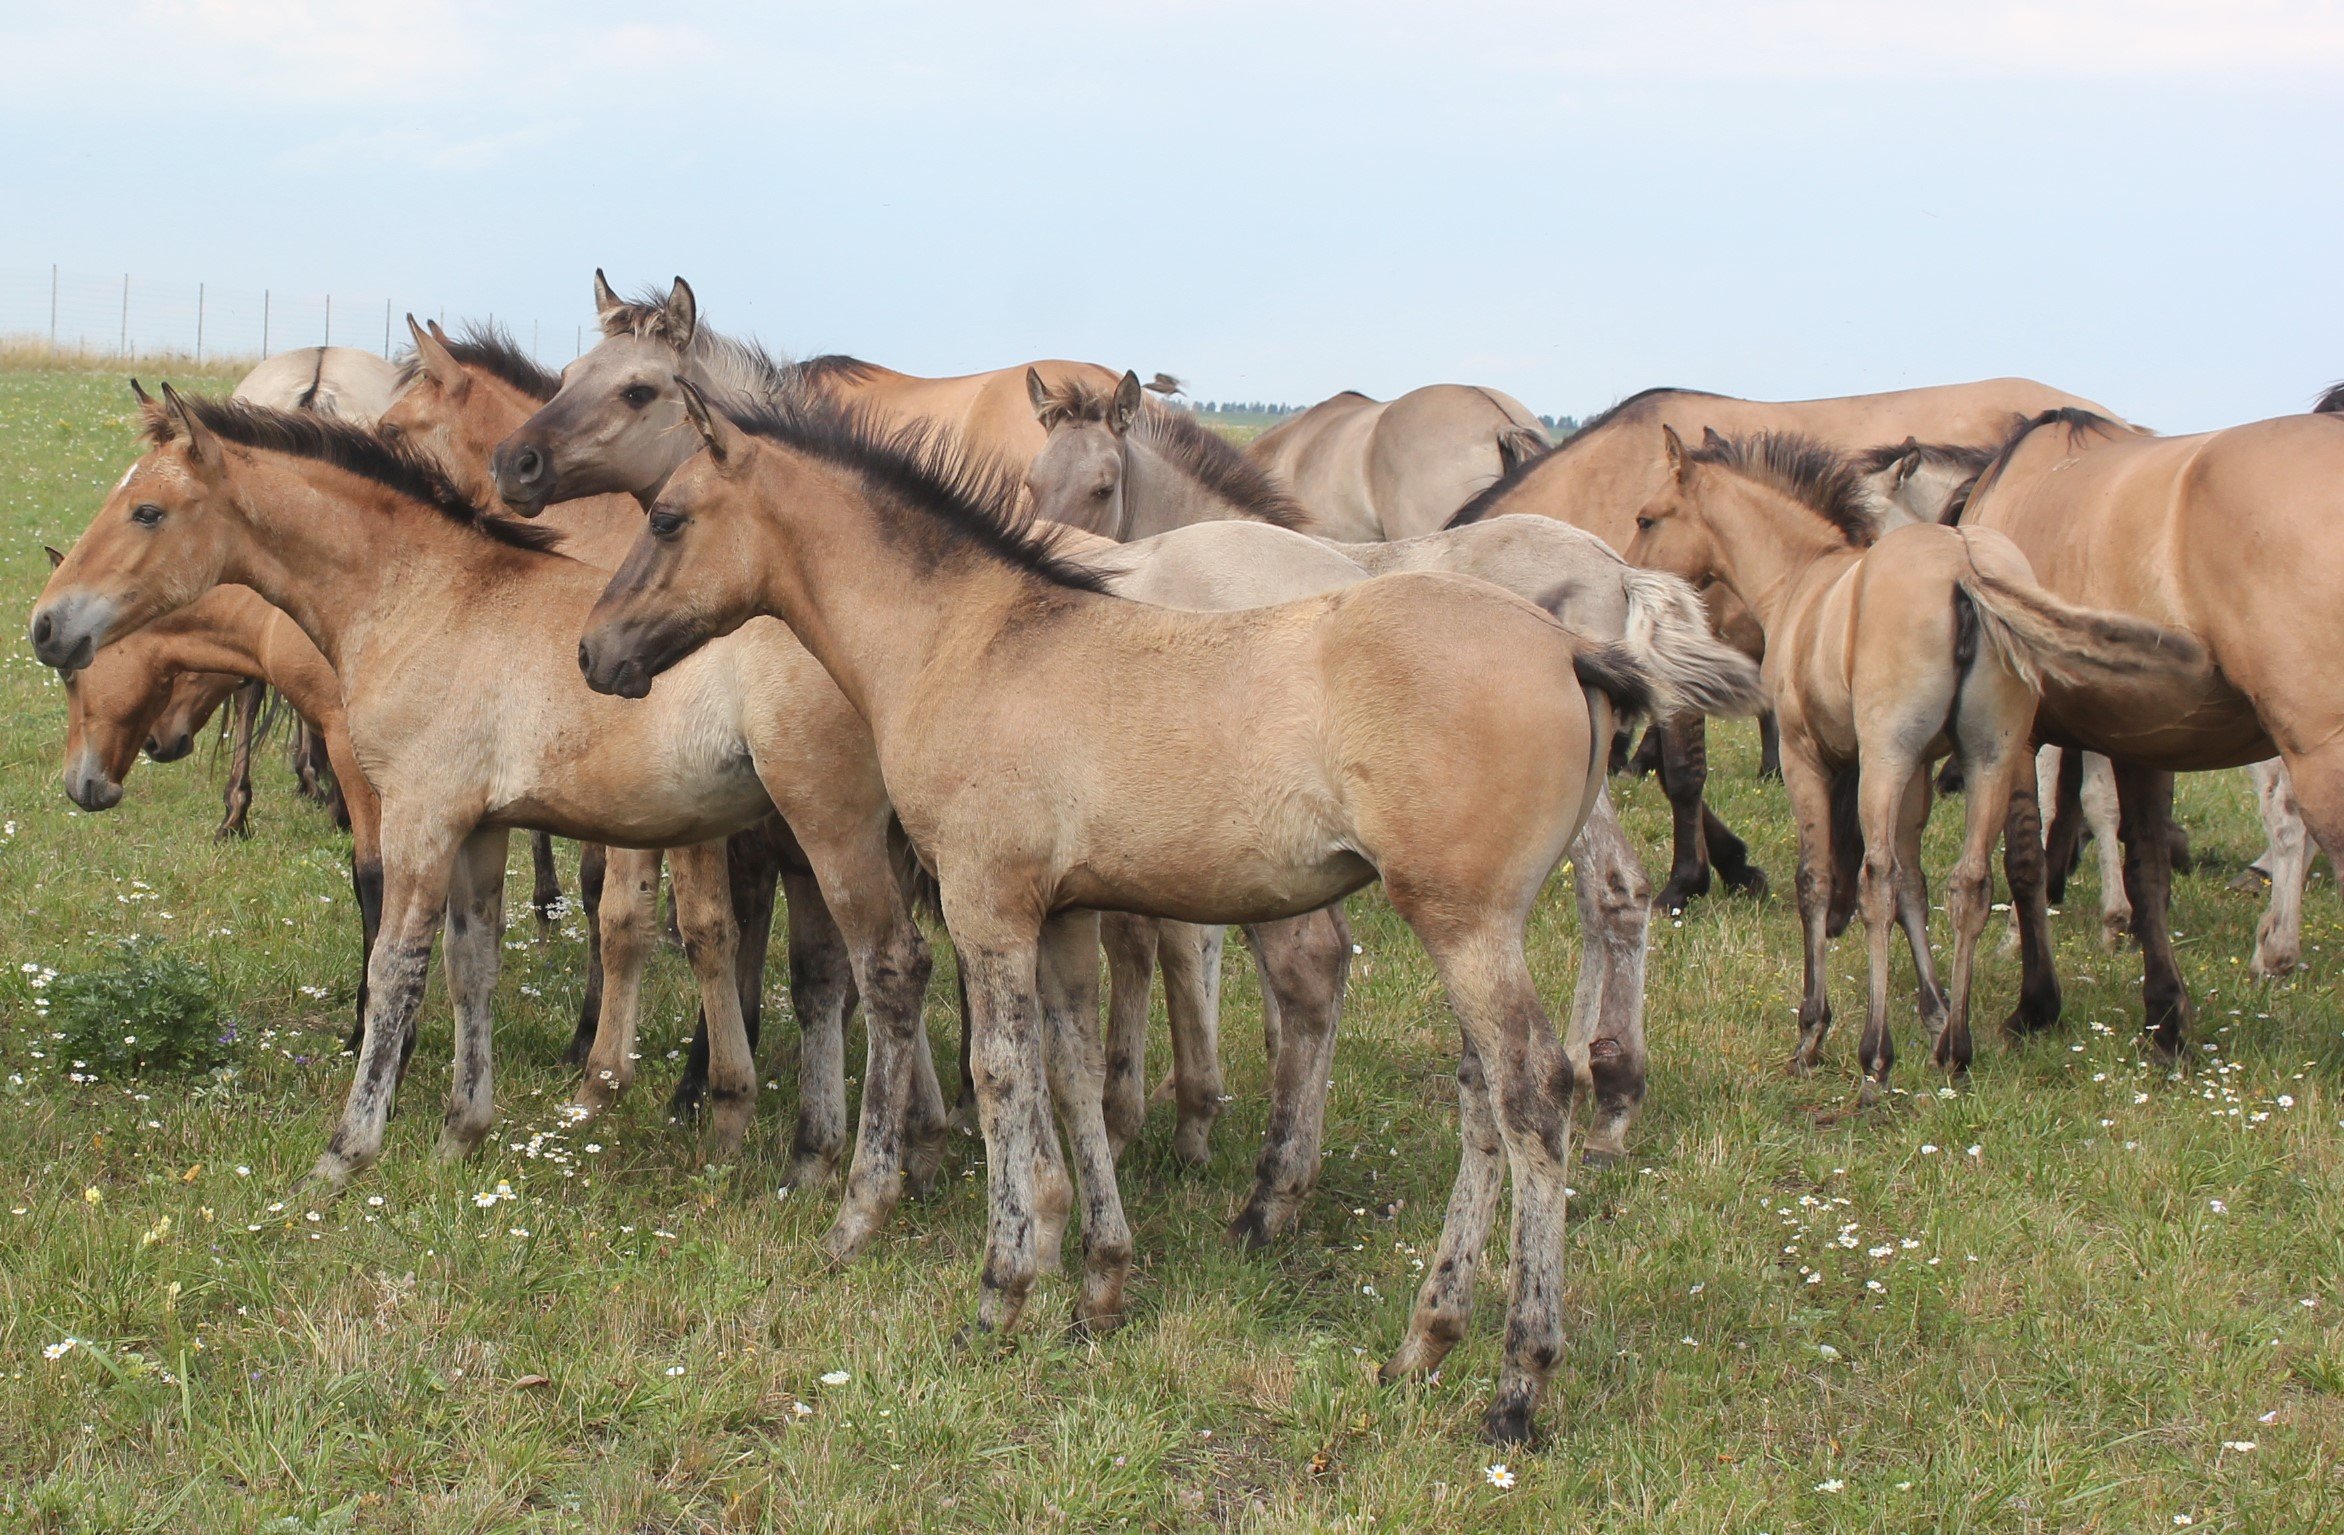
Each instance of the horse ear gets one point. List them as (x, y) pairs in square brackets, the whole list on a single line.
[(1710, 439), (606, 303), (683, 314), (431, 345), (1908, 462), (138, 393), (203, 449), (1125, 410), (724, 441), (1680, 467), (1039, 393), (55, 557)]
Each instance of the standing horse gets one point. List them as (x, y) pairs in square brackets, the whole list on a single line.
[(1612, 466), (1051, 748), (2231, 536), (1372, 470), (404, 584), (1881, 657)]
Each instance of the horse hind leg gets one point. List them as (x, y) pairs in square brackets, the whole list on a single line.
[(626, 920), (2096, 796), (2145, 800), (475, 941), (1912, 902), (1444, 1302), (237, 797), (545, 891), (1305, 962), (1131, 945), (704, 915), (593, 860), (1607, 1008), (1190, 958), (2278, 945), (1884, 784)]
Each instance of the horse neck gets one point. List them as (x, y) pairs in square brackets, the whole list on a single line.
[(1158, 496), (862, 589), (1766, 542), (313, 543)]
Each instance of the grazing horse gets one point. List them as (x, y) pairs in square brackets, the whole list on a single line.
[(2231, 536), (615, 424), (1110, 464), (1052, 748), (1612, 466), (404, 585), (1372, 470), (1883, 653)]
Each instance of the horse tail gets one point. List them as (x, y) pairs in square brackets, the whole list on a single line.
[(920, 888), (1519, 445), (1690, 669), (2038, 636)]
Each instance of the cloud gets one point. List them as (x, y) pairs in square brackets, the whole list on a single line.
[(423, 148)]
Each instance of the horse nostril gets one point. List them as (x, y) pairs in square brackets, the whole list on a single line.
[(585, 658), (42, 629), (528, 464)]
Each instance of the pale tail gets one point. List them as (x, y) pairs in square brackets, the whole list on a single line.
[(1689, 668), (2036, 636)]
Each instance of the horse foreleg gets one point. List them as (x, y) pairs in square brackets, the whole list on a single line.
[(1804, 776), (1769, 746), (2278, 940), (1069, 977), (592, 859), (2023, 865), (1305, 961), (821, 989), (1131, 944), (545, 889), (1607, 1009), (1684, 773), (626, 914), (1006, 1057), (702, 882), (475, 943), (2096, 795), (237, 798), (752, 864), (1190, 958), (2145, 801)]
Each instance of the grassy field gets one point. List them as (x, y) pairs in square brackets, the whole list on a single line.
[(2073, 1292)]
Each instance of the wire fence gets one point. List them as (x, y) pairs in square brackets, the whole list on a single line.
[(81, 314)]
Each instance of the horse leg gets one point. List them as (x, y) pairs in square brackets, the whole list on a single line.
[(1131, 943), (2097, 797), (752, 863), (1769, 746), (238, 795), (626, 915), (1645, 761), (1912, 900), (2145, 806), (821, 990), (1534, 1081), (1607, 1008), (545, 890), (1444, 1302), (474, 944), (417, 865), (964, 1107), (1190, 957), (2023, 865), (1068, 971), (1684, 772), (701, 878), (1995, 759), (2278, 941), (1006, 1056), (2059, 784), (1305, 960), (366, 870), (1809, 784), (592, 858), (1883, 785)]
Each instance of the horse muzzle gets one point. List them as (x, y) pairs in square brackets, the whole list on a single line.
[(621, 676), (170, 748), (67, 629), (87, 785), (524, 477)]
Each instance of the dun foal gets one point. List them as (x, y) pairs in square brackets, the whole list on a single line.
[(1049, 747), (1883, 656)]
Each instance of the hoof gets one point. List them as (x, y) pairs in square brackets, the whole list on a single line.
[(1679, 892), (2251, 881), (847, 1237), (964, 1115), (685, 1102), (808, 1171), (1749, 881), (1868, 1092), (1250, 1232), (1192, 1143), (1592, 1155), (1510, 1424)]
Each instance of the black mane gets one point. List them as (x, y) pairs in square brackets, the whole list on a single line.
[(2077, 420), (834, 367), (396, 467), (1805, 470), (1967, 457), (487, 346), (2330, 403), (925, 469), (1486, 504)]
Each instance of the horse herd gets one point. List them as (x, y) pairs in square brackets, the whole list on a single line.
[(1032, 652)]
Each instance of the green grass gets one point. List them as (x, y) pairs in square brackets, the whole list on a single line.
[(2068, 1323)]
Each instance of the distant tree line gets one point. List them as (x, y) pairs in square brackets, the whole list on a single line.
[(1253, 412)]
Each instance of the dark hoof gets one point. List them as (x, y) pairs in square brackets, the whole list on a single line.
[(1679, 892), (1511, 1425), (1250, 1231), (1598, 1157), (2025, 1020), (690, 1096), (1749, 880), (581, 1047), (2251, 881)]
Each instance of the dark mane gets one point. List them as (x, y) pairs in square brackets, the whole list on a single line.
[(487, 346), (835, 367), (1967, 457), (2078, 422), (1805, 470), (924, 469), (2330, 403), (396, 467), (1487, 502)]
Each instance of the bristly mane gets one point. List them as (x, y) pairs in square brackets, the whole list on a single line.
[(1967, 457), (1487, 503), (740, 374), (2078, 422), (2331, 403), (835, 368), (396, 467), (1808, 472), (925, 469), (1202, 454), (487, 346)]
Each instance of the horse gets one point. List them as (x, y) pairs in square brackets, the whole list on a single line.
[(1228, 544), (1230, 767), (1611, 466), (1883, 653), (1374, 470), (2219, 531), (404, 584), (613, 426)]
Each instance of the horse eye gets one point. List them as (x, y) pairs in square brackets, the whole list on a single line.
[(666, 524), (638, 395), (146, 514), (1643, 524), (389, 431), (1103, 492)]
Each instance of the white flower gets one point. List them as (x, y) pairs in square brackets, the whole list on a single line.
[(2183, 1519), (59, 1350), (1928, 1150), (484, 1201), (2217, 1207), (2269, 1417), (1826, 1352), (836, 1378), (801, 1409), (675, 1369), (1834, 1485), (2239, 1446), (1977, 1151), (1500, 1476)]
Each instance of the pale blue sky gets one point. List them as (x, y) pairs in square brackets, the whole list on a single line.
[(2139, 202)]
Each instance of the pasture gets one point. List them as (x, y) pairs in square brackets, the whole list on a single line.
[(2074, 1291)]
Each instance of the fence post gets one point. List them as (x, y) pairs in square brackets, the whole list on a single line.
[(386, 327), (123, 347), (199, 324), (533, 338), (52, 306), (264, 324), (329, 341), (577, 342)]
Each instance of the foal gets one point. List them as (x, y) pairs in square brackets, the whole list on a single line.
[(1883, 656), (1049, 747)]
